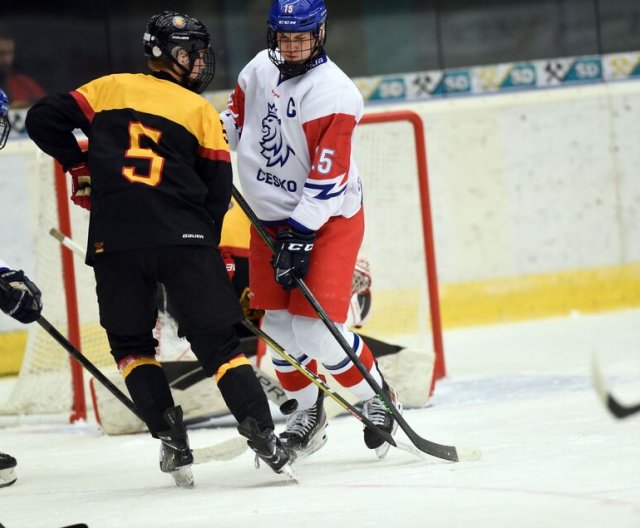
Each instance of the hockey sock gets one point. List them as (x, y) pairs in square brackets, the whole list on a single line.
[(149, 390), (348, 375), (296, 385), (243, 393)]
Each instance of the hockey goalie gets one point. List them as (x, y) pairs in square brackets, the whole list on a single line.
[(408, 370)]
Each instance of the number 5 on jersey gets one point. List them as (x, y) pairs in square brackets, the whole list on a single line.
[(324, 161), (156, 163)]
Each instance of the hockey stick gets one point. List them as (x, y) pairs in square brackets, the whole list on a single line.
[(67, 242), (431, 448), (616, 408), (223, 451)]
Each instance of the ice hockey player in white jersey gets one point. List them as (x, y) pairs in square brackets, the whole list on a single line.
[(291, 120)]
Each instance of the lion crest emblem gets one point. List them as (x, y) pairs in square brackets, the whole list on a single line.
[(274, 150)]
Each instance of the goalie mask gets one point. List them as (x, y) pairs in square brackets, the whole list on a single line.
[(170, 32), (360, 303), (296, 16), (5, 126)]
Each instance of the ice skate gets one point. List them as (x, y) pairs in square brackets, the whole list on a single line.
[(267, 447), (377, 413), (175, 455), (305, 430), (7, 470)]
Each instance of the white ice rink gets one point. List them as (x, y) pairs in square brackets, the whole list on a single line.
[(552, 456)]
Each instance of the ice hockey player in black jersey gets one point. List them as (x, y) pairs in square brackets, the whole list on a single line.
[(157, 180)]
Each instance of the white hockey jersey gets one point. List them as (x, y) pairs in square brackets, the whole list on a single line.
[(293, 138)]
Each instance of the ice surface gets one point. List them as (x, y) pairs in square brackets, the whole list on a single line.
[(552, 455)]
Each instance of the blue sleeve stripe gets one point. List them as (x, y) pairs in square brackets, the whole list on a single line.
[(325, 193)]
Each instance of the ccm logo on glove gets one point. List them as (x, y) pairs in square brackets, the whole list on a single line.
[(291, 259)]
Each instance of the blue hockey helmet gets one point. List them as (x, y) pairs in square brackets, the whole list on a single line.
[(296, 16), (5, 125)]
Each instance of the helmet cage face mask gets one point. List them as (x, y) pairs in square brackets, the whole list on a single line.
[(5, 125), (296, 16), (168, 33), (205, 59)]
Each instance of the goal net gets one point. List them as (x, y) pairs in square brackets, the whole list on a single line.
[(390, 153)]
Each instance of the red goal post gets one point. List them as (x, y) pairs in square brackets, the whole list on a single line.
[(419, 141)]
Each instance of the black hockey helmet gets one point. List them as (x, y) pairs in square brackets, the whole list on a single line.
[(168, 32)]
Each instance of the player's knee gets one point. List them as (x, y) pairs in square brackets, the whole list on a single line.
[(127, 364), (214, 349), (228, 366), (276, 321), (311, 334), (122, 346)]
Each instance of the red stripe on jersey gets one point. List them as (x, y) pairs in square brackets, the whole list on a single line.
[(213, 154), (294, 381), (84, 105), (236, 105), (353, 376), (329, 144)]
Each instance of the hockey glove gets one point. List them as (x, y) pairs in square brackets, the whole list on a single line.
[(81, 185), (22, 301), (291, 258)]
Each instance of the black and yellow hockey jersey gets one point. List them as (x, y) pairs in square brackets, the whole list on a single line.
[(158, 156)]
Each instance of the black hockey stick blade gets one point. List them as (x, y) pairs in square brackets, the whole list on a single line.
[(619, 410), (616, 408)]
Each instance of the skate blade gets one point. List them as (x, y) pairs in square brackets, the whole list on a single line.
[(183, 477), (7, 477), (288, 472), (382, 450)]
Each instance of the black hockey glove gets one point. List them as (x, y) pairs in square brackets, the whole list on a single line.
[(291, 258), (22, 301)]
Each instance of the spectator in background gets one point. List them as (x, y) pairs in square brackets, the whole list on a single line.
[(21, 89)]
